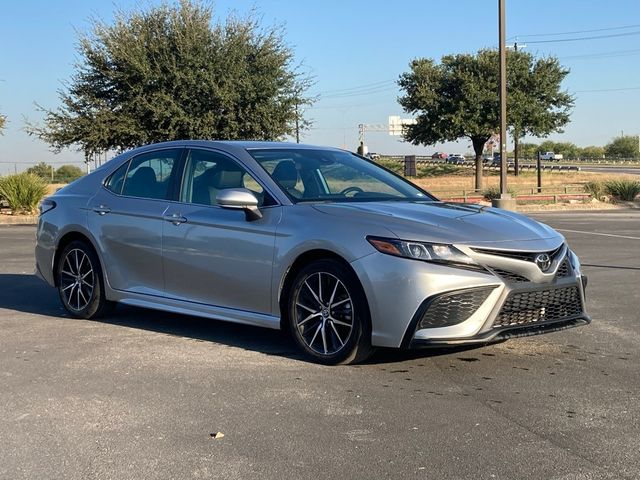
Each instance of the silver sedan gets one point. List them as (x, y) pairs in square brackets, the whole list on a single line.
[(328, 245)]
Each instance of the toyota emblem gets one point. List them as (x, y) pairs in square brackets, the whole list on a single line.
[(543, 261)]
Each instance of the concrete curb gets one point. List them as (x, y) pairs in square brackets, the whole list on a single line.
[(18, 219)]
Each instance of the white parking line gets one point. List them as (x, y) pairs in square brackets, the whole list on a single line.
[(596, 233)]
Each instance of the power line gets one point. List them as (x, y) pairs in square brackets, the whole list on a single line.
[(608, 90), (361, 92), (610, 54), (576, 39), (575, 31), (358, 87)]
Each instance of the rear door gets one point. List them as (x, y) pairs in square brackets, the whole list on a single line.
[(213, 255), (126, 217)]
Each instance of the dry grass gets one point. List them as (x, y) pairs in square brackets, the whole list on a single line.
[(522, 183)]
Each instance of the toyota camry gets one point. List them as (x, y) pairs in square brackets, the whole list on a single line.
[(328, 245)]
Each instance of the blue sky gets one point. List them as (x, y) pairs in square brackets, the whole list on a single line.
[(355, 50)]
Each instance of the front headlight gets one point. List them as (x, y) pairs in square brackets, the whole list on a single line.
[(428, 252)]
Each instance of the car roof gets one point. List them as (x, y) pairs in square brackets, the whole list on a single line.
[(244, 144)]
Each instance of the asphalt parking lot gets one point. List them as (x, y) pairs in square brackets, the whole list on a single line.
[(138, 394)]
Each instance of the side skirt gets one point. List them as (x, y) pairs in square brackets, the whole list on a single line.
[(196, 309)]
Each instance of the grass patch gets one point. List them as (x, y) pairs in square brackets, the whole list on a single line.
[(596, 189), (492, 193)]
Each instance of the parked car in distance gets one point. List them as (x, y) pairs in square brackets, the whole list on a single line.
[(373, 156), (456, 159), (439, 155), (551, 156), (340, 252)]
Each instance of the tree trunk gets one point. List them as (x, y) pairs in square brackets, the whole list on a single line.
[(516, 163), (478, 147)]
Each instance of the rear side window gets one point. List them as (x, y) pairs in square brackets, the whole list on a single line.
[(150, 175), (116, 180)]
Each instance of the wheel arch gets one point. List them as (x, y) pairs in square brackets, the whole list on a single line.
[(300, 262), (65, 240)]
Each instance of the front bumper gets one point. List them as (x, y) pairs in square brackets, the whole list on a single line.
[(416, 304)]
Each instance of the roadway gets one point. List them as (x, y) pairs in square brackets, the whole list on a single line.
[(137, 395)]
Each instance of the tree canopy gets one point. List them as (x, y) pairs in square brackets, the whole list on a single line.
[(170, 73), (68, 173), (623, 147), (3, 122), (42, 170), (459, 97)]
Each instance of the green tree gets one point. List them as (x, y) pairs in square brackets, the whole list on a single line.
[(170, 73), (3, 122), (622, 147), (459, 98), (42, 170), (68, 173), (528, 150), (591, 152), (567, 149)]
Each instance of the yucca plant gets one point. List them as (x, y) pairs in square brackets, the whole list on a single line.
[(623, 189), (22, 192)]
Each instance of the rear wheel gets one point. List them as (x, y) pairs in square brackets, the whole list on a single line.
[(80, 281), (328, 314)]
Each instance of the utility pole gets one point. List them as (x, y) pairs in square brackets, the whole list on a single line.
[(505, 201), (516, 133)]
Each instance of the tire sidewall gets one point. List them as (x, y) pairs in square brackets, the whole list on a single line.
[(360, 335), (97, 302)]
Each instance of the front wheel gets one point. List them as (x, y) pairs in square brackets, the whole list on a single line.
[(328, 314), (80, 281)]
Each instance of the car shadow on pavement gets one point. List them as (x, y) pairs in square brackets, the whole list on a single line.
[(29, 294)]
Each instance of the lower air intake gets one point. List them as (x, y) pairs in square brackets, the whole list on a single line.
[(524, 308), (453, 308)]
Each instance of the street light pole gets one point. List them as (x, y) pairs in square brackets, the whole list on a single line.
[(505, 200), (503, 100)]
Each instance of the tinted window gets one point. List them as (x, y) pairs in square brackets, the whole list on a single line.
[(208, 172), (150, 174), (116, 180), (333, 175)]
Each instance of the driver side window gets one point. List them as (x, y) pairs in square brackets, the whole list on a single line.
[(207, 173)]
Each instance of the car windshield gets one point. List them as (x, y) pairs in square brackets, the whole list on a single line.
[(307, 175)]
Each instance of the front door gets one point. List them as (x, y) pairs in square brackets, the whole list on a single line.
[(213, 255)]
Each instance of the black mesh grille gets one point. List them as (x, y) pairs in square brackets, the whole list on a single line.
[(510, 276), (522, 308), (563, 270), (453, 308)]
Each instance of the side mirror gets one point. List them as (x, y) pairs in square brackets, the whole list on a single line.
[(239, 199)]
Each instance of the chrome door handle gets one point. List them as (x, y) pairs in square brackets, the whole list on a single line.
[(176, 218), (101, 210)]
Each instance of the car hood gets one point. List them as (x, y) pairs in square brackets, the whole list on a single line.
[(442, 222)]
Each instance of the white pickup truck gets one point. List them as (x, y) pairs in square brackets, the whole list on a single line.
[(550, 156)]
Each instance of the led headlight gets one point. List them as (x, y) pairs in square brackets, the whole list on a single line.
[(428, 252)]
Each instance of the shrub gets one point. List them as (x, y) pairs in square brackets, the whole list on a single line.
[(623, 189), (68, 173), (22, 192), (596, 189), (492, 193)]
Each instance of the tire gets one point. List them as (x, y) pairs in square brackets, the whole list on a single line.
[(328, 315), (80, 281)]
